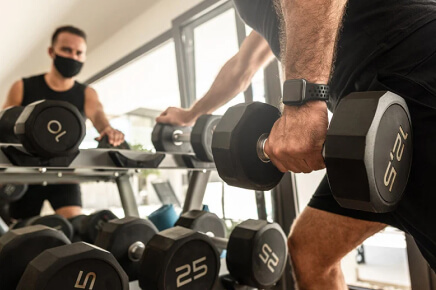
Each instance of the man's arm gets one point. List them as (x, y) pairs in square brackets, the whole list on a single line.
[(94, 111), (311, 29), (234, 77), (15, 95)]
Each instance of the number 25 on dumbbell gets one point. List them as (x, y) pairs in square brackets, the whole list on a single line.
[(196, 270)]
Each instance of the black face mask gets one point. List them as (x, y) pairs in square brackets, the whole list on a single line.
[(67, 67)]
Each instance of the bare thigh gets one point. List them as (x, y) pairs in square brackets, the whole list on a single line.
[(326, 237)]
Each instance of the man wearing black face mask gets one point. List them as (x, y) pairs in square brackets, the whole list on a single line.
[(68, 51)]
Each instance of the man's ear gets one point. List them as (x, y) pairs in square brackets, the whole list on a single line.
[(51, 52)]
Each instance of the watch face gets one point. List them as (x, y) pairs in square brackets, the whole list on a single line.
[(293, 91)]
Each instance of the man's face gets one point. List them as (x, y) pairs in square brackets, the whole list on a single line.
[(69, 45)]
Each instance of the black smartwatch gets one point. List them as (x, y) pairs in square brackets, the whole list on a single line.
[(299, 91)]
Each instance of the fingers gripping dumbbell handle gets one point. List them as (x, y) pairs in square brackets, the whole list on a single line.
[(260, 148)]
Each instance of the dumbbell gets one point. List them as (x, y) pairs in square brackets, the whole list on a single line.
[(86, 227), (45, 259), (54, 221), (256, 250), (367, 151), (187, 259), (126, 238), (12, 192), (74, 266), (20, 246), (154, 258), (45, 128), (169, 138)]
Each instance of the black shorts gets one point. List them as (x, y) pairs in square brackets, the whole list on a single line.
[(408, 69), (59, 195)]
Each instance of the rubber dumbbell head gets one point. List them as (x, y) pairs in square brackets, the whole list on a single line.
[(203, 222), (165, 138), (234, 146), (12, 192), (256, 243), (257, 253), (368, 151), (126, 238), (201, 136), (8, 117), (19, 247), (87, 227), (54, 221), (50, 128), (179, 258), (75, 266)]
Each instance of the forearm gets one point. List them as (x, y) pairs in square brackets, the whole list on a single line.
[(311, 28), (100, 121), (230, 81)]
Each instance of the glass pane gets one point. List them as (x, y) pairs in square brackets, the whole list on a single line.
[(215, 42), (136, 93), (132, 97), (148, 82)]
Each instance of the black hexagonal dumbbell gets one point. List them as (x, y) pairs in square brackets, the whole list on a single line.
[(126, 238), (368, 149), (256, 250), (12, 192), (169, 138), (155, 258), (45, 128), (86, 227), (54, 221), (74, 266), (19, 247)]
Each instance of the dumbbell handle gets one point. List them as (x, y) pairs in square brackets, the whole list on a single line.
[(260, 148), (179, 137), (137, 249)]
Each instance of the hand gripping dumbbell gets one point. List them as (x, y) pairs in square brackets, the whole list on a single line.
[(45, 259), (45, 128), (54, 221), (367, 151), (256, 250), (169, 138), (86, 227)]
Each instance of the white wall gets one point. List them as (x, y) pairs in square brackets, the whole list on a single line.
[(115, 28), (156, 20)]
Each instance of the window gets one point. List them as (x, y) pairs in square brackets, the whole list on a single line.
[(215, 42), (138, 92), (133, 96)]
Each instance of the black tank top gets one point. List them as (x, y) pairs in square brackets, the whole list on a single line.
[(36, 89)]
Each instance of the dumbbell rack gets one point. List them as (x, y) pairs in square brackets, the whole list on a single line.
[(104, 165)]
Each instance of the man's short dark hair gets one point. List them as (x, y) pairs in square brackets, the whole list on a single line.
[(69, 29)]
